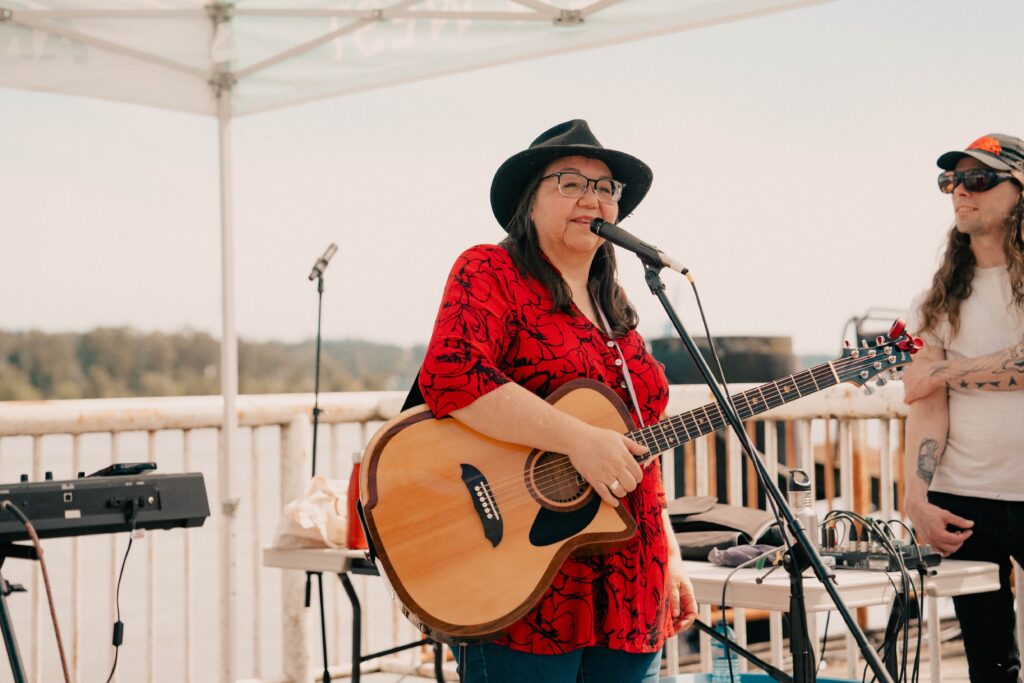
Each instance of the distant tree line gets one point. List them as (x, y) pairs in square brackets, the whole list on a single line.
[(121, 362)]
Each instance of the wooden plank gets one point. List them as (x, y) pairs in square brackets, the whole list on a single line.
[(753, 484), (831, 447), (689, 470)]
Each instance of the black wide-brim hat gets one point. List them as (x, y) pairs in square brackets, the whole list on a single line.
[(572, 138)]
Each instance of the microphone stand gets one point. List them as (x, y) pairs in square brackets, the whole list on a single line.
[(801, 553), (773, 673), (316, 423), (316, 380)]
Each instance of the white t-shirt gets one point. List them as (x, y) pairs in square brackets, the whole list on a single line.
[(984, 454)]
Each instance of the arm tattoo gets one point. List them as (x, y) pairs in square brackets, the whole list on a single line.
[(927, 460), (1014, 362), (997, 371), (943, 368)]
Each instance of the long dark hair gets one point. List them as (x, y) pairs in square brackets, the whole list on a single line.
[(524, 247), (952, 281)]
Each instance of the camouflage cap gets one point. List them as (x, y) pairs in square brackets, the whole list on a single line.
[(997, 151)]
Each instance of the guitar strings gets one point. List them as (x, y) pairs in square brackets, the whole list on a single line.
[(561, 473), (554, 473)]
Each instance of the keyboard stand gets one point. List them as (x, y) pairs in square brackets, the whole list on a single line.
[(27, 552)]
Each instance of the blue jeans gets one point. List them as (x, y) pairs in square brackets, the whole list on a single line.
[(489, 663)]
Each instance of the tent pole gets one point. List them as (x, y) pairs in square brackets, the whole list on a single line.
[(229, 390)]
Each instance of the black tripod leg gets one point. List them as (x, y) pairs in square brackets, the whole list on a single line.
[(357, 626), (799, 638), (10, 642), (463, 664), (438, 662), (892, 633), (323, 626)]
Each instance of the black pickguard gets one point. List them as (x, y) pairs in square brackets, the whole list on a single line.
[(551, 527)]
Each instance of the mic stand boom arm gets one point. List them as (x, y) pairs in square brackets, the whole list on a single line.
[(802, 552)]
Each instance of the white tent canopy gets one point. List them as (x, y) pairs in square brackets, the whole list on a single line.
[(168, 53), (230, 59)]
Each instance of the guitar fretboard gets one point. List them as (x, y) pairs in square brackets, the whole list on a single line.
[(674, 431)]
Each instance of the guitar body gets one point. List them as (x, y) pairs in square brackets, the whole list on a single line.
[(470, 531)]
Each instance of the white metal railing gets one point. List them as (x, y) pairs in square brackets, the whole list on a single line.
[(173, 607), (181, 571)]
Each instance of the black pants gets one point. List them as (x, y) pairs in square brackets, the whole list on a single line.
[(987, 619)]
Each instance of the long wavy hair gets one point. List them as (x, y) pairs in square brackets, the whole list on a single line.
[(523, 246), (952, 281)]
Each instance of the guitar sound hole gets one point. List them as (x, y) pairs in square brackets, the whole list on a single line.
[(555, 479)]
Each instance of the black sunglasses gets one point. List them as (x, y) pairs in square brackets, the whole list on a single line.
[(974, 179)]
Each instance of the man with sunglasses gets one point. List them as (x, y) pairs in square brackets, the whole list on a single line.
[(965, 428)]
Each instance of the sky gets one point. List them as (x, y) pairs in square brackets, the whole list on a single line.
[(793, 156)]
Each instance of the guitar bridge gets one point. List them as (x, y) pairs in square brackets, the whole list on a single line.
[(484, 504)]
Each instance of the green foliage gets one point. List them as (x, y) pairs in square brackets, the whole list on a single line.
[(120, 362)]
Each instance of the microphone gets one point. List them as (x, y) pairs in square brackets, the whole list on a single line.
[(648, 253), (321, 263)]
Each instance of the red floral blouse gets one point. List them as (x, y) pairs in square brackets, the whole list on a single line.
[(497, 325)]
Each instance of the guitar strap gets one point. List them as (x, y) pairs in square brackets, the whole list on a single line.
[(415, 396), (625, 365)]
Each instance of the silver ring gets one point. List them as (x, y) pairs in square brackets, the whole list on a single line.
[(614, 485)]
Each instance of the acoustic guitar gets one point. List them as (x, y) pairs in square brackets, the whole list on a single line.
[(469, 531)]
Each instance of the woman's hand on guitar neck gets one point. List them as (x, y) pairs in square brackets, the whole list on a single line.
[(605, 458)]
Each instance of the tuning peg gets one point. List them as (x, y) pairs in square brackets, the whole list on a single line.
[(897, 328), (911, 343), (881, 382), (896, 374), (868, 389), (864, 343), (879, 340)]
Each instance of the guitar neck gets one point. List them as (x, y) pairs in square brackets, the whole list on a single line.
[(674, 431)]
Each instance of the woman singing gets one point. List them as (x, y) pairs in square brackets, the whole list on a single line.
[(517, 321)]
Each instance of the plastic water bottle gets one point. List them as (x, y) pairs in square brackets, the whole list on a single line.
[(721, 656), (802, 505)]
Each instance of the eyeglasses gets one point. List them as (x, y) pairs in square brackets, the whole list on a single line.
[(575, 185), (974, 179)]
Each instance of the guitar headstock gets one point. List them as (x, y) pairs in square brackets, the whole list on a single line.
[(883, 359)]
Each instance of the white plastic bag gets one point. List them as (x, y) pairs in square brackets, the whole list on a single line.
[(317, 519)]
